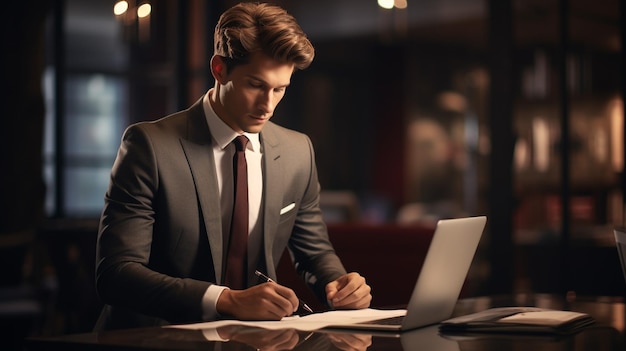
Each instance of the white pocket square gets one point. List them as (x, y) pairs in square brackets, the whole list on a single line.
[(287, 208)]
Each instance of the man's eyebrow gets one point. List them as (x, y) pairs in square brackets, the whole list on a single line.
[(265, 83)]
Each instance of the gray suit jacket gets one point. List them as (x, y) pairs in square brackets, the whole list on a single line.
[(160, 242)]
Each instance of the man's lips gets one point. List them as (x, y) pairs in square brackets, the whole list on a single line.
[(259, 118)]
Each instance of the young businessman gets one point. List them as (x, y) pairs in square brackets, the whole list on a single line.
[(163, 241)]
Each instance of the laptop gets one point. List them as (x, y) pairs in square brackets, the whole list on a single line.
[(427, 338), (441, 279), (620, 242)]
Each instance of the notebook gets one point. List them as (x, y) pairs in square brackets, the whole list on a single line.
[(441, 278)]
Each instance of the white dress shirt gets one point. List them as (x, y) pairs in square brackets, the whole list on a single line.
[(223, 152)]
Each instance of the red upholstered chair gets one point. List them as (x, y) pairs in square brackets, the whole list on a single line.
[(389, 256)]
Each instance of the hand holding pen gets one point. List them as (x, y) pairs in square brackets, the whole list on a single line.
[(303, 305), (267, 302)]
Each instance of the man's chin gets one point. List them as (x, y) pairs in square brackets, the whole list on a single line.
[(255, 128)]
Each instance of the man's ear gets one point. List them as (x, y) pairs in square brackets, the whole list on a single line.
[(218, 68)]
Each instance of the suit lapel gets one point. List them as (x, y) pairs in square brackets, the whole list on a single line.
[(273, 179), (199, 153)]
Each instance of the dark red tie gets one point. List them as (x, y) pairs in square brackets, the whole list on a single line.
[(236, 266)]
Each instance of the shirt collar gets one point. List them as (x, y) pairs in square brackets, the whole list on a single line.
[(221, 132)]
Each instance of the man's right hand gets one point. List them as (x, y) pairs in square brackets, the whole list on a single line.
[(267, 301)]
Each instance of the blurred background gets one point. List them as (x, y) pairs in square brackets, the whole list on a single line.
[(418, 110)]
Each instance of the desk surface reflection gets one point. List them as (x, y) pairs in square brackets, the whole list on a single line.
[(607, 334)]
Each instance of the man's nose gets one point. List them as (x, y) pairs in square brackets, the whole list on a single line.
[(267, 102)]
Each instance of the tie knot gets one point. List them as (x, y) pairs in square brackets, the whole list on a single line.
[(241, 142)]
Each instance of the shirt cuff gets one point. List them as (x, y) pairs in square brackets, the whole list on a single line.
[(211, 334), (209, 302)]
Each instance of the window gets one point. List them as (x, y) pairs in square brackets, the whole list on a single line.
[(93, 113)]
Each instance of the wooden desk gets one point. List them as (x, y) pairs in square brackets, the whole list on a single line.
[(608, 334)]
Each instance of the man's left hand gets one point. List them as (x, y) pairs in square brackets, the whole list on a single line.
[(350, 291)]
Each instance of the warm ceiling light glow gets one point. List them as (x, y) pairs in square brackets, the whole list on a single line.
[(386, 4), (120, 8), (401, 4), (144, 10)]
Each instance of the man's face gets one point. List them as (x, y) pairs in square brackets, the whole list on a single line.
[(249, 93)]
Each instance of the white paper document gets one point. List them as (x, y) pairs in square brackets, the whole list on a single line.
[(306, 323)]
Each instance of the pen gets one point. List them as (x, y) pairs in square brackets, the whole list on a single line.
[(270, 280)]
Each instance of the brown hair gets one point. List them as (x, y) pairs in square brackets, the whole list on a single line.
[(251, 27)]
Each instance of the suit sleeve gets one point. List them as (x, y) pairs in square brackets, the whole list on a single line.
[(125, 239), (312, 251)]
